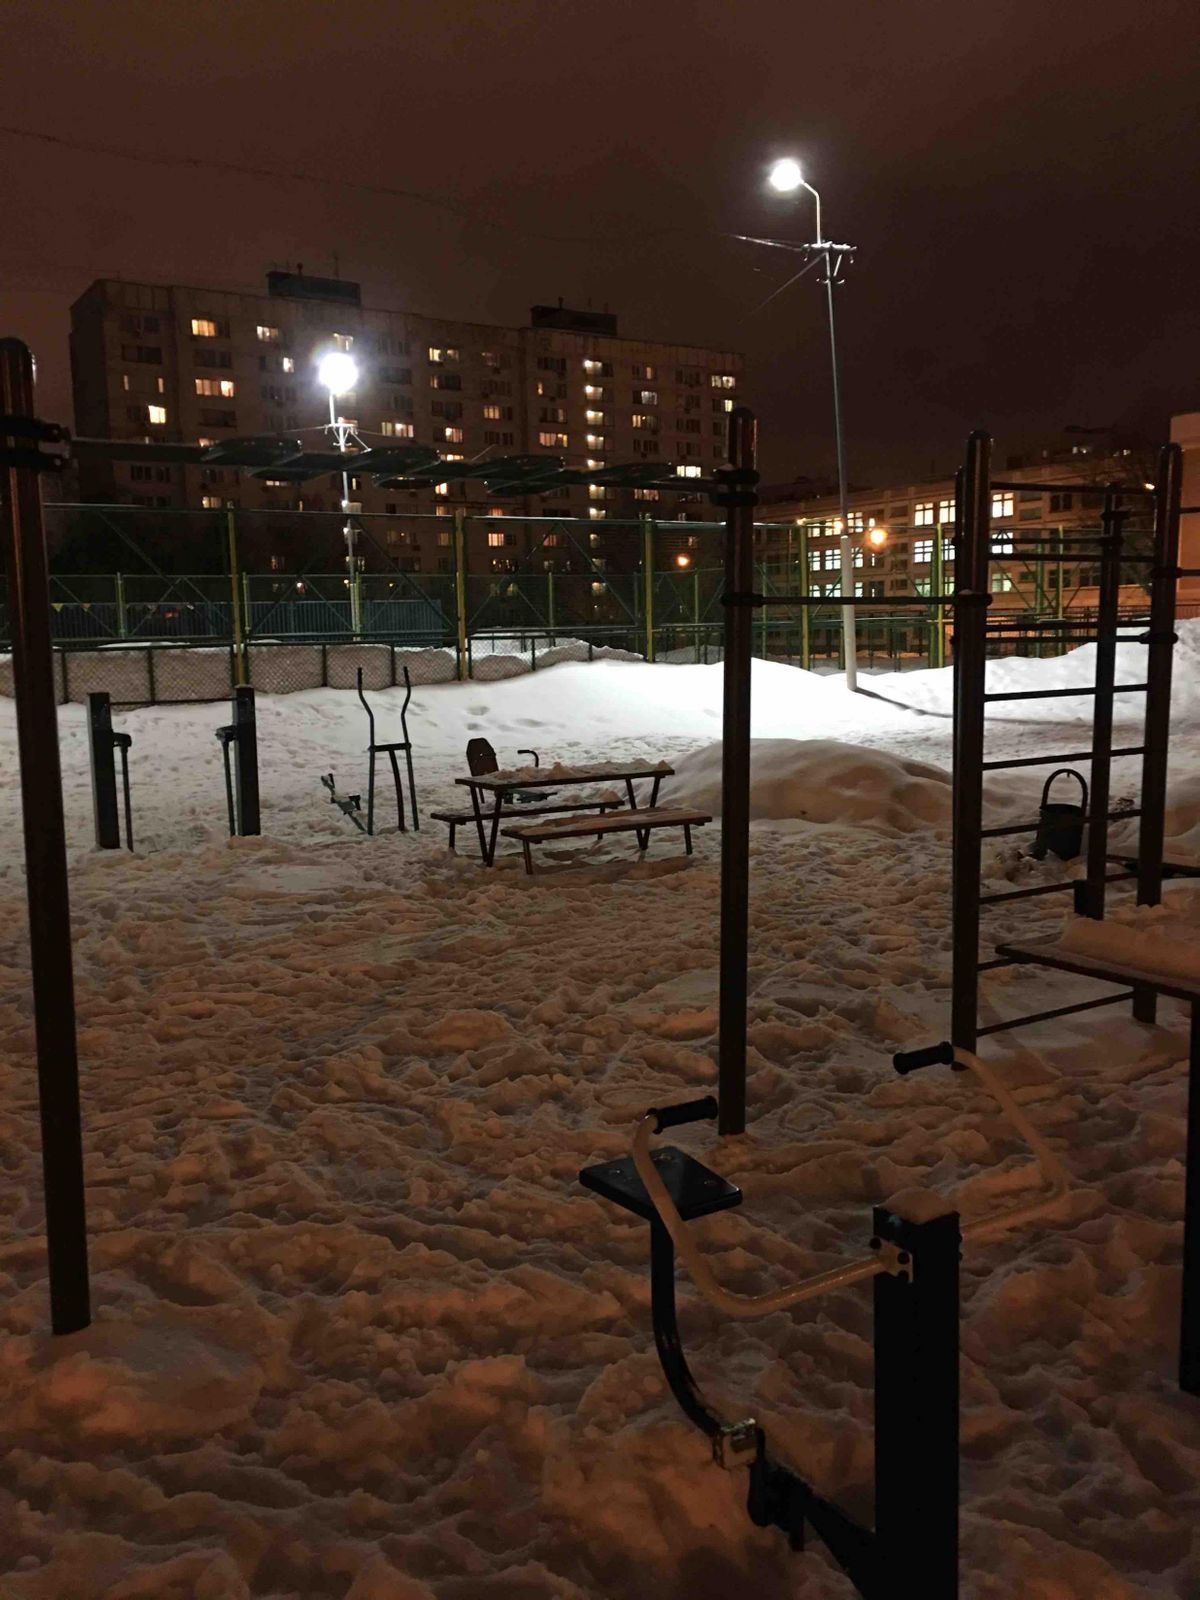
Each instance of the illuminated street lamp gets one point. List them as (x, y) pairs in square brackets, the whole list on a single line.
[(683, 561), (786, 178), (338, 372)]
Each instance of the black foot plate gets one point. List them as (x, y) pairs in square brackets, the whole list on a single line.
[(696, 1190)]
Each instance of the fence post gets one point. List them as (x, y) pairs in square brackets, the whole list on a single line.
[(235, 597), (648, 582), (696, 613), (550, 604), (937, 656), (104, 771), (460, 591), (24, 540), (122, 622)]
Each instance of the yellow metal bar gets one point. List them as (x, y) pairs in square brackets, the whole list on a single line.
[(460, 588), (235, 597)]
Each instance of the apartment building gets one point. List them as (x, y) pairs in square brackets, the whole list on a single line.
[(914, 515), (177, 363)]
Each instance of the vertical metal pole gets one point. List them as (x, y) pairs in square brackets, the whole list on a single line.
[(1089, 895), (696, 614), (805, 611), (122, 617), (1159, 659), (735, 769), (235, 597), (1189, 1314), (648, 582), (938, 579), (970, 666), (101, 759), (849, 641), (917, 1408), (550, 605), (460, 590), (45, 863), (245, 725)]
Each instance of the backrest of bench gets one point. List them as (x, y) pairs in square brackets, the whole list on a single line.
[(481, 758)]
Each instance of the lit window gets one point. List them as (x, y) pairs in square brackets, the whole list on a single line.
[(211, 502), (592, 464), (224, 387), (591, 391), (206, 441), (441, 488), (727, 403), (596, 512), (592, 368), (722, 380), (922, 551), (343, 341), (157, 415), (203, 328), (945, 510), (125, 382), (598, 587), (491, 413), (440, 353), (814, 561), (596, 441), (1001, 583), (644, 419), (266, 334), (1002, 544), (923, 514), (645, 494), (453, 435), (1002, 504), (396, 430), (595, 418), (648, 373), (287, 363), (597, 491), (557, 441), (452, 455), (688, 469), (496, 540)]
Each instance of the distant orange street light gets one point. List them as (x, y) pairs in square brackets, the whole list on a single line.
[(683, 561)]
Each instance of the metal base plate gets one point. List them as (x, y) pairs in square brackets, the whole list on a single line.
[(696, 1190)]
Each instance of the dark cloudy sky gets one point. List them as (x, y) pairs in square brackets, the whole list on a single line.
[(1020, 178)]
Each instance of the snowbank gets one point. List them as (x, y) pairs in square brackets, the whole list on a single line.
[(820, 780)]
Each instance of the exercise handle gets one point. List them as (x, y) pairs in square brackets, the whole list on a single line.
[(933, 1055), (690, 1111)]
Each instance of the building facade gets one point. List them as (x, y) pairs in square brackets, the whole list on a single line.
[(915, 515), (180, 364)]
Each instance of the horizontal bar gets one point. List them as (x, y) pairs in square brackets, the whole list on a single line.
[(1072, 488), (1048, 888), (1032, 827), (1000, 961), (1058, 1011), (1046, 761), (855, 600), (1065, 694)]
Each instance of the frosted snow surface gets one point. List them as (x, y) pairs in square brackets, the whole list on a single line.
[(359, 1332)]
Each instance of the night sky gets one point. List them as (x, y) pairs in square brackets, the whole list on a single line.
[(1020, 179)]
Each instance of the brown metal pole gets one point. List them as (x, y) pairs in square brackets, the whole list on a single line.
[(45, 853), (740, 498)]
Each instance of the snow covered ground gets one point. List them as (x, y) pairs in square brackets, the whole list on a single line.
[(360, 1334)]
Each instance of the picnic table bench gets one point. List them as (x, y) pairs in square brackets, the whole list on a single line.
[(641, 822), (598, 803), (500, 787)]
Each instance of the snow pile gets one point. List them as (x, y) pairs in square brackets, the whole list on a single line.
[(1146, 938), (820, 780)]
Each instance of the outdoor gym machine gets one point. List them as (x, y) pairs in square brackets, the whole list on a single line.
[(103, 742), (239, 738), (351, 805)]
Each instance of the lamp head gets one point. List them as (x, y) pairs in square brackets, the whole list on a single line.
[(682, 560), (877, 537), (337, 372), (785, 176)]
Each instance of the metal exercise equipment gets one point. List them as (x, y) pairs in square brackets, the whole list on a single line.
[(351, 805), (239, 752), (29, 447), (103, 742), (913, 1547)]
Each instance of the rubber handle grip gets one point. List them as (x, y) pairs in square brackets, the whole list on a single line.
[(933, 1055), (690, 1111)]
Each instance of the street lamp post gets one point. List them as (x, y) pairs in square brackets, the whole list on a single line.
[(338, 373), (786, 177)]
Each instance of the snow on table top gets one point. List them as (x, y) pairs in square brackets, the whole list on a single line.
[(1140, 941), (563, 772)]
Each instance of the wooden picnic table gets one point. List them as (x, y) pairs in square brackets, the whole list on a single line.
[(503, 785)]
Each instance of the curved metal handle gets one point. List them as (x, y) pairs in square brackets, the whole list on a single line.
[(1066, 772)]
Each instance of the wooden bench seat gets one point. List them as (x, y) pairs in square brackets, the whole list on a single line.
[(459, 819), (641, 822)]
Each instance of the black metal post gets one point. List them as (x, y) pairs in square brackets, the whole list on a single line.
[(1089, 895), (245, 756), (916, 1408), (1189, 1316), (101, 756), (740, 499), (972, 555), (45, 851), (666, 1334)]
